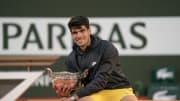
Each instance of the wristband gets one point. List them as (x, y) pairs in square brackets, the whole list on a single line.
[(72, 98)]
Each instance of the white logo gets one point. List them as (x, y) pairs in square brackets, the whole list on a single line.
[(162, 95), (164, 74), (93, 63)]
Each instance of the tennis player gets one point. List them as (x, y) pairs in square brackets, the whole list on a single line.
[(105, 80)]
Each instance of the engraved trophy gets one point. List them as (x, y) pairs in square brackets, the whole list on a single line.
[(65, 79)]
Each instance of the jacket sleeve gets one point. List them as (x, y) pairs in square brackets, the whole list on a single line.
[(103, 73), (69, 64)]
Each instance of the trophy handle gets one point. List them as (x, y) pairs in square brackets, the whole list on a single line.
[(49, 71)]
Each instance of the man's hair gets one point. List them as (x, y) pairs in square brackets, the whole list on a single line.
[(77, 21)]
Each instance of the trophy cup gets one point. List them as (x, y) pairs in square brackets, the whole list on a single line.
[(64, 79)]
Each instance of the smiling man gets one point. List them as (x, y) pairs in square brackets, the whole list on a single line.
[(104, 81)]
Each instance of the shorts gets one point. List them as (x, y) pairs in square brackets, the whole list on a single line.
[(112, 95)]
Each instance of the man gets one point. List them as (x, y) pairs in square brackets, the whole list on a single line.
[(105, 80)]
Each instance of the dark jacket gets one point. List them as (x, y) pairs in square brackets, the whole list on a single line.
[(101, 58)]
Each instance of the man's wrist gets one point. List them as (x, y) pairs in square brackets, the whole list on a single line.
[(74, 98)]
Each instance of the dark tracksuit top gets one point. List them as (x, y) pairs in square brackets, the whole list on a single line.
[(101, 58)]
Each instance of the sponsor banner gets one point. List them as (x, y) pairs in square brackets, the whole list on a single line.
[(50, 36)]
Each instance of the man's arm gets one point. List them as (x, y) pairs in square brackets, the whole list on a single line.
[(109, 60)]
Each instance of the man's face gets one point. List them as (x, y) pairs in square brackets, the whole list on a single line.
[(81, 35)]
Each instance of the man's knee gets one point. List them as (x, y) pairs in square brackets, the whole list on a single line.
[(129, 98), (86, 98)]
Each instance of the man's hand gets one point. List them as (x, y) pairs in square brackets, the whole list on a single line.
[(61, 88)]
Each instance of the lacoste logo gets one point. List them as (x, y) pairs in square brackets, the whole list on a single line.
[(164, 74), (93, 63), (163, 95)]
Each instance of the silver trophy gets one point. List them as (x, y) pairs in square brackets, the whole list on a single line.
[(65, 79)]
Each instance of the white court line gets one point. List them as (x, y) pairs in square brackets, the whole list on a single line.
[(28, 79)]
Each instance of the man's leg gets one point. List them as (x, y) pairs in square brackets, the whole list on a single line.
[(129, 98), (86, 98)]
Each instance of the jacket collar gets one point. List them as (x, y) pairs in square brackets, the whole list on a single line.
[(94, 43)]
